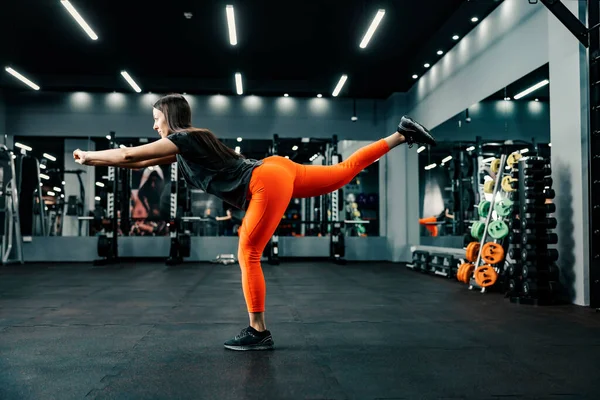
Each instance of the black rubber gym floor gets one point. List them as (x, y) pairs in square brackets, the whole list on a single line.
[(360, 331)]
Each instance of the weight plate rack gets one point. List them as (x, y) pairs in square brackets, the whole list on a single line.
[(533, 276), (485, 258)]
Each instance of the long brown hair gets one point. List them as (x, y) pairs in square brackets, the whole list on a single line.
[(178, 114)]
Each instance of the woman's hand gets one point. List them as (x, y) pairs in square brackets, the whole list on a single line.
[(80, 156)]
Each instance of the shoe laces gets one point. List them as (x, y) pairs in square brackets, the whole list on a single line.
[(242, 334)]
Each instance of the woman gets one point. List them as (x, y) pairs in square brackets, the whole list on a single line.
[(263, 188)]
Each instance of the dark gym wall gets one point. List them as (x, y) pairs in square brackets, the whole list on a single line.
[(251, 117), (499, 120)]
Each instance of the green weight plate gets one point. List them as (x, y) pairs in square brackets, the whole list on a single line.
[(503, 207), (498, 230), (477, 230), (484, 208)]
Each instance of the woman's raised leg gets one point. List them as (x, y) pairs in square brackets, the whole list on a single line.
[(317, 180)]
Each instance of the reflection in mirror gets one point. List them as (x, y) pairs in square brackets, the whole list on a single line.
[(452, 174)]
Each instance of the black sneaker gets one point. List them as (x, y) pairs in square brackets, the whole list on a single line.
[(251, 339), (414, 132)]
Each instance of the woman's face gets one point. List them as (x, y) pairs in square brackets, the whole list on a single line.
[(160, 123)]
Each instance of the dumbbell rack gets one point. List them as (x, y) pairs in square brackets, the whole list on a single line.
[(533, 275)]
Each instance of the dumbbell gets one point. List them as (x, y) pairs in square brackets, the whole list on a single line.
[(535, 170), (549, 274), (551, 255), (548, 223), (551, 238), (514, 286), (514, 253), (533, 288), (543, 209), (529, 182)]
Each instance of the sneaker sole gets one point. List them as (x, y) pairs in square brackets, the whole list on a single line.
[(424, 130), (249, 348)]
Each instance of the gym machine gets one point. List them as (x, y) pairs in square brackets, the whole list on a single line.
[(10, 221), (32, 209), (179, 202), (108, 248)]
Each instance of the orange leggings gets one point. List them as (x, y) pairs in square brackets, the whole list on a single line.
[(273, 185)]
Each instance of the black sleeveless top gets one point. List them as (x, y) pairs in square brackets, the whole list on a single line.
[(228, 181)]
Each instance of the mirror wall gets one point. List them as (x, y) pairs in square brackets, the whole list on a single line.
[(62, 198), (451, 174)]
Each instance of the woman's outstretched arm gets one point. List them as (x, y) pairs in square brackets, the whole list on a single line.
[(139, 164), (122, 156)]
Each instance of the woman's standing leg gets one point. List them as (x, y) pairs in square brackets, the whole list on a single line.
[(271, 188)]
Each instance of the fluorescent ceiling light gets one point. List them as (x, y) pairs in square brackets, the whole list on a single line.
[(474, 19), (22, 78), (79, 19), (238, 83), (131, 82), (549, 144), (319, 95), (287, 156), (431, 166), (99, 184), (471, 148), (420, 149), (97, 198), (44, 176), (415, 76), (531, 89), (537, 99), (122, 146), (455, 37), (286, 95), (49, 157), (372, 28), (523, 151), (43, 166), (231, 25), (427, 65), (238, 149), (23, 146), (50, 193), (57, 189), (440, 52), (445, 160), (340, 85), (239, 139), (294, 148)]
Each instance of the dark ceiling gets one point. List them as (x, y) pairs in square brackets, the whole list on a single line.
[(301, 48)]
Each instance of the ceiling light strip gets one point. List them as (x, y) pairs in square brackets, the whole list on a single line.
[(231, 25), (84, 25), (238, 83), (339, 85), (22, 78), (130, 80), (374, 24), (531, 89)]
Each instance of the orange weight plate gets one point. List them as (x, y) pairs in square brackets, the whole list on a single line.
[(486, 276), (469, 273), (472, 251), (461, 271), (492, 253)]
